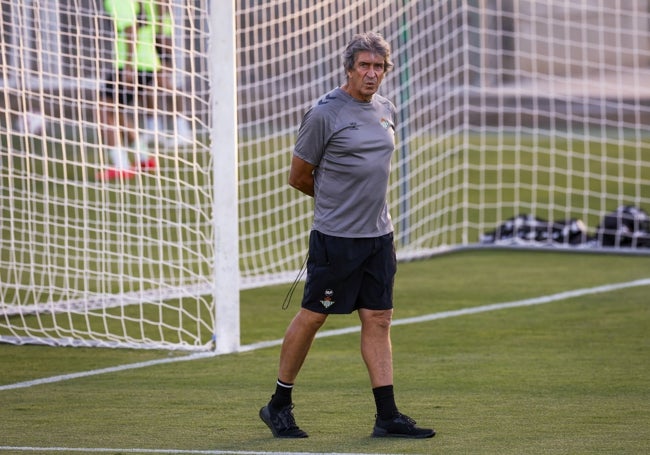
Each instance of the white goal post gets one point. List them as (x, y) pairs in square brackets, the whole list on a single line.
[(510, 111)]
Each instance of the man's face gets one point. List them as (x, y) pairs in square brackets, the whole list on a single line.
[(366, 75)]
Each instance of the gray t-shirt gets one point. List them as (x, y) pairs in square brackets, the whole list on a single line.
[(351, 143)]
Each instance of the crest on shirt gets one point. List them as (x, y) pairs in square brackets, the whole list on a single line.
[(385, 123), (328, 300)]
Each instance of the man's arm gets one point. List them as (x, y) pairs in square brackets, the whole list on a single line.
[(301, 176)]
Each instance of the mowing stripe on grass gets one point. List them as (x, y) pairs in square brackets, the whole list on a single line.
[(473, 310), (336, 332)]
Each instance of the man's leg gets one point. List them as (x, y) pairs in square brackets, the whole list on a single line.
[(376, 347), (111, 121), (377, 353), (296, 344)]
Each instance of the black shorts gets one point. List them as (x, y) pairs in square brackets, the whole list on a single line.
[(126, 93), (345, 274)]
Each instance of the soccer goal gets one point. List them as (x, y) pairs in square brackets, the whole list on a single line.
[(96, 251), (508, 110)]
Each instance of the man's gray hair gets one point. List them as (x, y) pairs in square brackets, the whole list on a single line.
[(370, 42)]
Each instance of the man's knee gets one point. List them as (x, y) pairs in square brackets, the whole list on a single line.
[(311, 318), (376, 318)]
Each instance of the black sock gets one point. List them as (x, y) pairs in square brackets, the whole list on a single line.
[(385, 402), (282, 396)]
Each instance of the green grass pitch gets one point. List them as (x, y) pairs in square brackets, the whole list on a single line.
[(565, 377)]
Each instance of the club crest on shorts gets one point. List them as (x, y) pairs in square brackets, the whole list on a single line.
[(328, 301)]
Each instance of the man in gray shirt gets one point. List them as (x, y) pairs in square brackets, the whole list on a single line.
[(342, 159)]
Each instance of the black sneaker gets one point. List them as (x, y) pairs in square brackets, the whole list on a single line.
[(282, 423), (400, 426)]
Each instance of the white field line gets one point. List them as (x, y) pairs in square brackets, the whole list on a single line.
[(336, 332), (474, 310), (168, 451)]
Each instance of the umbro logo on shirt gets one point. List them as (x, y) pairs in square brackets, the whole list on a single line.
[(326, 100)]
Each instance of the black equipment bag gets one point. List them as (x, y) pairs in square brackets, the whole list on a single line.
[(628, 226)]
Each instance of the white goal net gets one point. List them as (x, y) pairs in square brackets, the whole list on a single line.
[(526, 113)]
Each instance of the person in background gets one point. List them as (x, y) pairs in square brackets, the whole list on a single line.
[(342, 159), (135, 66), (171, 102)]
